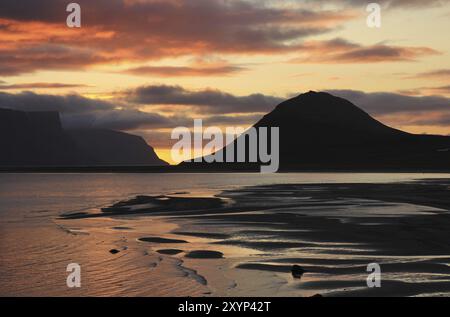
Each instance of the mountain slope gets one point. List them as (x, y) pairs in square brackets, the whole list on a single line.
[(37, 139), (116, 148), (321, 131)]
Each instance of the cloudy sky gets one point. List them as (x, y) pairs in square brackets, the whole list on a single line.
[(147, 66)]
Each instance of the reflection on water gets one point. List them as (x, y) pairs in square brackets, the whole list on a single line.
[(332, 231), (71, 192)]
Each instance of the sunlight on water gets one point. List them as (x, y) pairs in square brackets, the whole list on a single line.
[(244, 247)]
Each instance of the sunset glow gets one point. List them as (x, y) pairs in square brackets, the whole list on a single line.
[(148, 66)]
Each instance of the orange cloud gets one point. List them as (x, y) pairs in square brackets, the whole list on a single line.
[(4, 86), (434, 74), (33, 35), (173, 71), (199, 67), (342, 51)]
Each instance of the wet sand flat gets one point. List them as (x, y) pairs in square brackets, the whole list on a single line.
[(252, 236), (241, 242)]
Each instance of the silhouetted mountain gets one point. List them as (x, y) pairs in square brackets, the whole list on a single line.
[(38, 139), (116, 148), (321, 131)]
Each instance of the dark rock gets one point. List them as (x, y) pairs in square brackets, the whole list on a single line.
[(114, 251), (297, 271)]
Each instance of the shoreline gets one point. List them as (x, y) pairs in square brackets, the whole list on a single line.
[(332, 230), (175, 169), (242, 241)]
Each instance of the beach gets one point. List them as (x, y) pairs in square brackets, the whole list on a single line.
[(239, 240)]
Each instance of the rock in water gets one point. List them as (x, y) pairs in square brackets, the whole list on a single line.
[(297, 271)]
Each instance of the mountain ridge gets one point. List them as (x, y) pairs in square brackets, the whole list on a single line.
[(38, 139), (322, 131)]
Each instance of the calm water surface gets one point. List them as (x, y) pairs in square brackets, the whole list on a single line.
[(21, 193), (36, 247)]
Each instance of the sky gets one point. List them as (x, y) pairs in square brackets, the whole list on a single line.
[(149, 66)]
